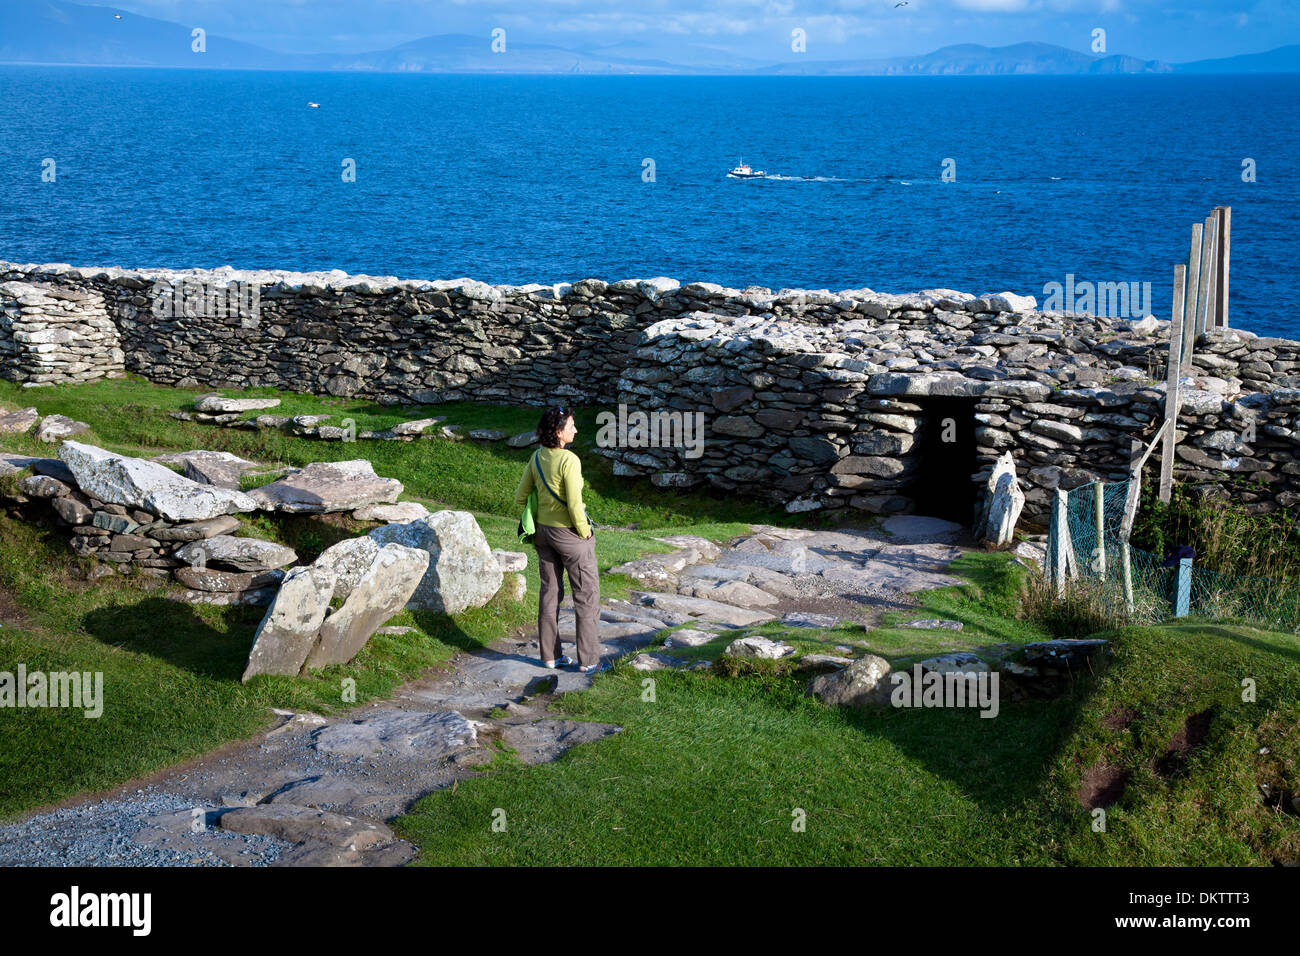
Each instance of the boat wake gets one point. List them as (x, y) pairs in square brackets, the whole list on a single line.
[(811, 179)]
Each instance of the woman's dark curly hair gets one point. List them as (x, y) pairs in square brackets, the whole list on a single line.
[(548, 429)]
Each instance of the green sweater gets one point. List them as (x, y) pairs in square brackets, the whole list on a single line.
[(563, 470)]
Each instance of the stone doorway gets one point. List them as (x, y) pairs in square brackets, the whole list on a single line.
[(945, 460)]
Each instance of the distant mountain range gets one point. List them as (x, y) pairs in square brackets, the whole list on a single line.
[(58, 32)]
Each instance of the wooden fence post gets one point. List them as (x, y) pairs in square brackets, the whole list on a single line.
[(1209, 262), (1126, 563), (1062, 547), (1225, 258), (1173, 373), (1193, 290)]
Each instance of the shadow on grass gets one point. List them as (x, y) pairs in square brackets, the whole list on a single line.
[(999, 762), (1235, 635), (443, 628), (174, 632)]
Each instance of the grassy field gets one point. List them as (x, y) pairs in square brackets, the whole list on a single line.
[(171, 670), (717, 770), (722, 764)]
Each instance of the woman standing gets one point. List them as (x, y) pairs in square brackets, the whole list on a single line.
[(564, 541)]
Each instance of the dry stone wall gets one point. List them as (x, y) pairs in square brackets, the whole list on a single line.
[(817, 400), (53, 335), (843, 416)]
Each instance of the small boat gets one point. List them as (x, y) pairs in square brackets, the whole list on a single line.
[(744, 171), (314, 106)]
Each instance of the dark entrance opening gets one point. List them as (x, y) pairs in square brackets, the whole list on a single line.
[(945, 460)]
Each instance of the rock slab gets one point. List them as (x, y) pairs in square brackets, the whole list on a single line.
[(383, 591), (324, 487), (147, 485), (462, 571), (291, 624)]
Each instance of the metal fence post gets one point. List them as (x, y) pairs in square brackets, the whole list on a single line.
[(1183, 588)]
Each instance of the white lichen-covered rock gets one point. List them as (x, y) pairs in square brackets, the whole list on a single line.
[(462, 571), (147, 485), (19, 422), (181, 458), (292, 622), (58, 427), (761, 647), (417, 427), (511, 560), (328, 486), (216, 405), (349, 560), (418, 735), (242, 554), (399, 513), (382, 591), (862, 684), (1001, 302), (959, 662), (933, 624), (1003, 505), (689, 637)]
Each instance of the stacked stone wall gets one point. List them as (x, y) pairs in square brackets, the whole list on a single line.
[(814, 399)]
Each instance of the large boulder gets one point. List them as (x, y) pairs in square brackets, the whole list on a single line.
[(292, 622), (147, 485), (241, 554), (863, 684), (327, 486), (384, 590), (462, 573), (350, 559), (1002, 505)]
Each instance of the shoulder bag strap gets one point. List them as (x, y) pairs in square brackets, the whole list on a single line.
[(538, 462)]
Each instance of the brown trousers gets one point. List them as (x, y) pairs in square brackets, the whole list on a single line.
[(560, 550)]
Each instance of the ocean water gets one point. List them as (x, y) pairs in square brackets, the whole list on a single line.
[(513, 179)]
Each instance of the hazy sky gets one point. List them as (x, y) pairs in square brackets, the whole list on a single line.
[(1171, 30)]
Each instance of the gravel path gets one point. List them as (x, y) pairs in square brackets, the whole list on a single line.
[(104, 834)]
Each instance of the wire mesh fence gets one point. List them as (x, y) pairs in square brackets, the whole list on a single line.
[(1090, 551)]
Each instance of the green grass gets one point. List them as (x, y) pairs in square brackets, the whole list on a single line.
[(132, 416), (714, 769), (172, 670), (1205, 810)]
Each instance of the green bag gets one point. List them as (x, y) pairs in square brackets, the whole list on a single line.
[(528, 520)]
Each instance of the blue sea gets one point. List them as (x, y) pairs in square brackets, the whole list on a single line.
[(514, 179)]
